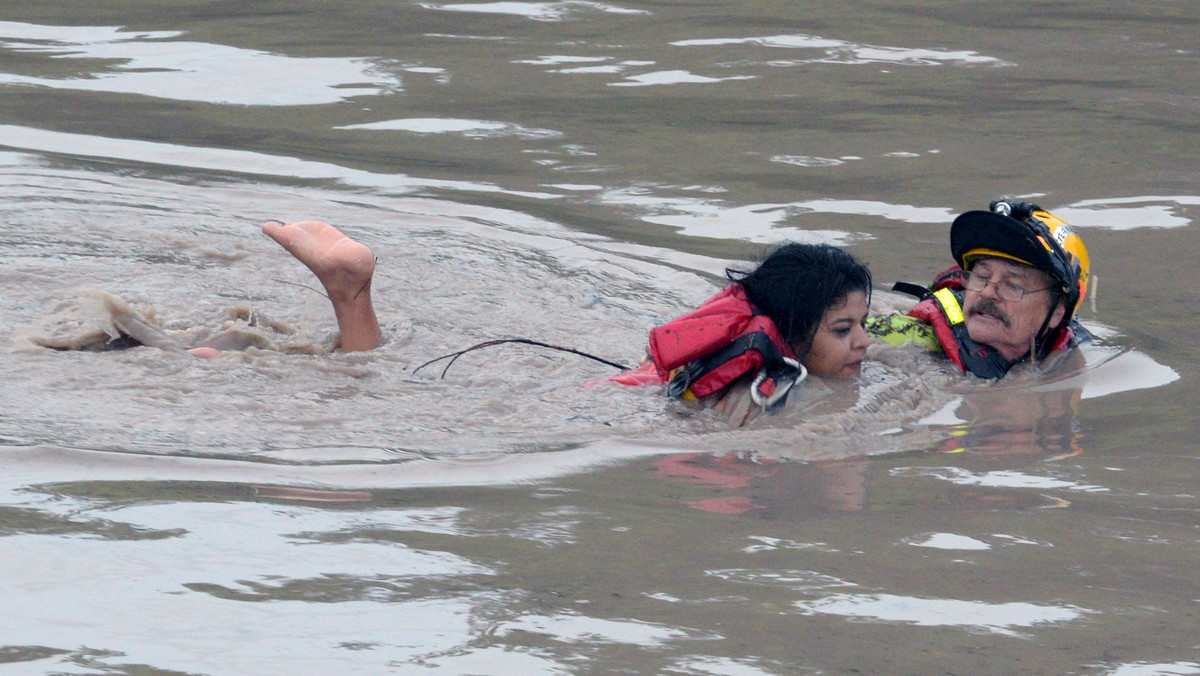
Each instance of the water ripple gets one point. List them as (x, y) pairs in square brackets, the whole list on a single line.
[(537, 11), (994, 618), (843, 52), (153, 63), (464, 127), (1128, 213)]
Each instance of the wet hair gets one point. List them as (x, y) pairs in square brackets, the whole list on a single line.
[(797, 283)]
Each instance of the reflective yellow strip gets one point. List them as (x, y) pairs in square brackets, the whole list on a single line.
[(950, 305), (957, 449)]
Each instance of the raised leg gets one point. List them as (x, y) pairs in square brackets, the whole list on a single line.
[(344, 267)]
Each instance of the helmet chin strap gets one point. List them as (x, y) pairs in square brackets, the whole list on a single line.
[(1038, 352)]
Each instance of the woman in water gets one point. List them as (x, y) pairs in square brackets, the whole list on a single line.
[(800, 312), (817, 295)]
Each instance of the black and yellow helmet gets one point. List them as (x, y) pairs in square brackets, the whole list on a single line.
[(1025, 233)]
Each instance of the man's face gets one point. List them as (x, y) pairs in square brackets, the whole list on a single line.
[(1009, 326)]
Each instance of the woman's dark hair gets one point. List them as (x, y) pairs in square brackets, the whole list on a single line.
[(797, 283)]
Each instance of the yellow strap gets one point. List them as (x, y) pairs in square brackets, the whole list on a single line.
[(687, 394), (950, 306)]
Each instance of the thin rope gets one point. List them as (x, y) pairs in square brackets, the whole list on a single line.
[(453, 356)]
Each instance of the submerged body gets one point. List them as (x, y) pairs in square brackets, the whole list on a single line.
[(344, 267)]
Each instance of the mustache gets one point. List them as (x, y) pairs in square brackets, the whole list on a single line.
[(989, 307)]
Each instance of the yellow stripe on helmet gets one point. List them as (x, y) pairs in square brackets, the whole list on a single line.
[(992, 253)]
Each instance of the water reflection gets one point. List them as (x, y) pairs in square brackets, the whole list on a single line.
[(725, 666), (709, 217), (1123, 214), (307, 530), (794, 580), (364, 585), (840, 51), (467, 128), (538, 11), (956, 542), (584, 65), (998, 618), (949, 541), (985, 435), (705, 216), (154, 63), (674, 77), (334, 596), (236, 161), (573, 628), (1156, 669)]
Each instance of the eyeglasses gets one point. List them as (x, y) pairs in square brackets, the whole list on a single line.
[(1007, 291)]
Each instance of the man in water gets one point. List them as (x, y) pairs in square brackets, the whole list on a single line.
[(1021, 275)]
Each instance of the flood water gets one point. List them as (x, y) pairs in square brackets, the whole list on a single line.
[(575, 172)]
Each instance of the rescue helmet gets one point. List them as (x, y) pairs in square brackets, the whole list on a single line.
[(1025, 233)]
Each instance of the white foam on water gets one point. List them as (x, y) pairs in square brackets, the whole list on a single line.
[(701, 665), (997, 479), (1129, 213), (841, 51), (992, 618), (569, 628), (466, 127), (1181, 668), (537, 11), (951, 541), (219, 159), (674, 77)]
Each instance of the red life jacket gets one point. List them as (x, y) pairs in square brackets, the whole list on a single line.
[(706, 350), (941, 306)]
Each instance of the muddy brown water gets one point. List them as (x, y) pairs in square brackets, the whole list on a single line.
[(575, 172)]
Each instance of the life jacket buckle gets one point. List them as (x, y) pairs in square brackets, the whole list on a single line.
[(784, 377), (683, 379)]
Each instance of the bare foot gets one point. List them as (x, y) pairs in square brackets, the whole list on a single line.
[(344, 267)]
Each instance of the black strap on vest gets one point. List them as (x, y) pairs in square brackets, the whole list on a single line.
[(695, 369), (979, 359), (773, 362), (921, 292)]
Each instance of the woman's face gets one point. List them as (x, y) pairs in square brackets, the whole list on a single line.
[(840, 343)]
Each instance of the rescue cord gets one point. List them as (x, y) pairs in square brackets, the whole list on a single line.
[(453, 356)]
